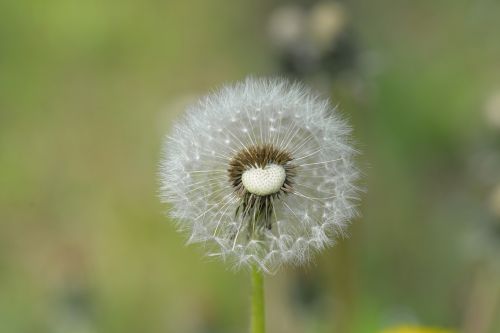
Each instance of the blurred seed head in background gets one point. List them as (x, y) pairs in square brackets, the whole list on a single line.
[(314, 40)]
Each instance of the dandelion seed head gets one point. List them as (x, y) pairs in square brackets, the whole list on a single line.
[(260, 172)]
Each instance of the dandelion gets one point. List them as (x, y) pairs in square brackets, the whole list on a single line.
[(313, 40), (327, 23), (261, 173)]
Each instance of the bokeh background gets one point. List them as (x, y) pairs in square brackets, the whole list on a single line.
[(89, 88)]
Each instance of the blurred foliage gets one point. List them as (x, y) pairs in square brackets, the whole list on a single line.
[(408, 329), (88, 89)]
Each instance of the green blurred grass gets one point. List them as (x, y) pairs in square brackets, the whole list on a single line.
[(86, 94)]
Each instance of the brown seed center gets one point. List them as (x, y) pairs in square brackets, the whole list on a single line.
[(255, 208)]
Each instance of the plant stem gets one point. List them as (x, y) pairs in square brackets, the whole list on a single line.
[(258, 319)]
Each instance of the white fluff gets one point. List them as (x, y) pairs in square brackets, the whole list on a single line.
[(196, 155)]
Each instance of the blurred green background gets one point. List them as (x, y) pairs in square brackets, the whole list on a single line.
[(89, 88)]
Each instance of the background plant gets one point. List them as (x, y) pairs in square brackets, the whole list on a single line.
[(87, 90)]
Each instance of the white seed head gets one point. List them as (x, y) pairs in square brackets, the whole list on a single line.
[(261, 173), (264, 181)]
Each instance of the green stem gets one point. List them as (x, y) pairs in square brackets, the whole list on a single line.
[(258, 318)]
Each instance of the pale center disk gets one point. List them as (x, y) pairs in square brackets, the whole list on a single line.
[(264, 181)]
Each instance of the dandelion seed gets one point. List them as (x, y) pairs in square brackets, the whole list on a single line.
[(262, 173)]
